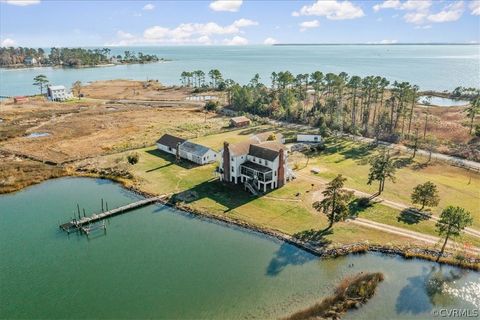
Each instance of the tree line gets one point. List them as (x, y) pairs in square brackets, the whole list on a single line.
[(71, 57), (371, 106)]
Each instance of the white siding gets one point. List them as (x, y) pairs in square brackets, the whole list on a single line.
[(309, 138), (166, 149)]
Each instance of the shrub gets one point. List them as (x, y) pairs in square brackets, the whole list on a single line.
[(363, 202), (133, 158), (210, 105)]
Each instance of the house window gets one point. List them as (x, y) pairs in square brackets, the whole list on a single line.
[(231, 158), (233, 168), (169, 149)]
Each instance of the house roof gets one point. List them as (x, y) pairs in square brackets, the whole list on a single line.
[(239, 148), (256, 166), (266, 150), (240, 119), (170, 141), (196, 149), (57, 87), (257, 147)]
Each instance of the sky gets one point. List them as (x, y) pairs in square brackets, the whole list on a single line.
[(47, 23)]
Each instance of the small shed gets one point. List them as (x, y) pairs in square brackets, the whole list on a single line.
[(315, 138), (20, 99), (241, 121)]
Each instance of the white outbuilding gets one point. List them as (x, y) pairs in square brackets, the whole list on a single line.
[(315, 138)]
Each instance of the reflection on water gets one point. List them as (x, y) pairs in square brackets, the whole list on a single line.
[(469, 292), (435, 287), (287, 255)]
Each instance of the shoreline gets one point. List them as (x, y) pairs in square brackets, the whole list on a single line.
[(25, 67), (406, 252)]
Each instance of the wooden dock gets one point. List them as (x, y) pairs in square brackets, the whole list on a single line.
[(87, 224)]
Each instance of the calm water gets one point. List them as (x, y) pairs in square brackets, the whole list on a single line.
[(442, 102), (156, 262), (435, 67)]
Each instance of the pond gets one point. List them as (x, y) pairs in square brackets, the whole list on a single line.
[(38, 134), (158, 262), (441, 102)]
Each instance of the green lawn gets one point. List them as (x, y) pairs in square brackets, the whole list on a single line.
[(456, 186), (289, 209), (383, 214)]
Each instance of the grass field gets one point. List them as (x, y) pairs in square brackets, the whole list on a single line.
[(287, 209), (456, 186)]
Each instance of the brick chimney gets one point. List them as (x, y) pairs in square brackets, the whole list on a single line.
[(281, 168), (226, 162)]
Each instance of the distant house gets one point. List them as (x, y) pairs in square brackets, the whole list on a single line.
[(169, 143), (257, 165), (58, 93), (197, 153), (30, 61), (241, 121), (186, 149), (309, 138)]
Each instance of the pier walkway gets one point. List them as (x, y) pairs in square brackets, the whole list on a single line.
[(83, 224)]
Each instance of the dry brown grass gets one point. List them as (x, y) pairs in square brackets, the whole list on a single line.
[(102, 129), (133, 90), (16, 173)]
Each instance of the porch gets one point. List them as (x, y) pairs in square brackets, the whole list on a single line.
[(261, 177)]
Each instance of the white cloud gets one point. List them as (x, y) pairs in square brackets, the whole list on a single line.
[(416, 5), (428, 26), (331, 9), (309, 25), (244, 23), (124, 35), (451, 12), (148, 7), (270, 41), (419, 12), (386, 41), (412, 5), (388, 4), (7, 42), (415, 17), (185, 33), (226, 5), (21, 3), (235, 41), (475, 7)]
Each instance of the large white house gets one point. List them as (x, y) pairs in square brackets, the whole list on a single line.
[(259, 165), (58, 93), (186, 149)]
